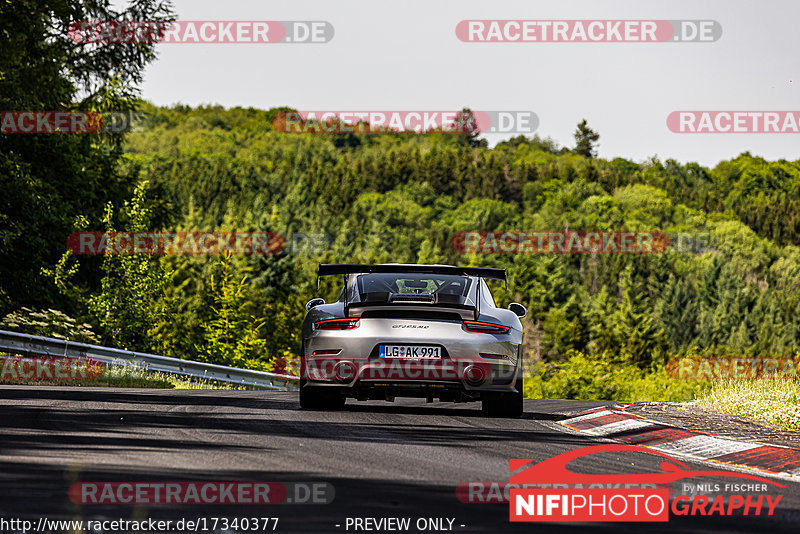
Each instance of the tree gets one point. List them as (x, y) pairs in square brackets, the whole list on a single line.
[(586, 140), (467, 124), (232, 335), (130, 304), (48, 180), (677, 310)]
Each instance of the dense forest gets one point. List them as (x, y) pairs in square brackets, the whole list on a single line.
[(402, 198), (379, 198)]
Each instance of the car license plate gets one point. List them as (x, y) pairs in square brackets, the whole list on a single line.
[(409, 351)]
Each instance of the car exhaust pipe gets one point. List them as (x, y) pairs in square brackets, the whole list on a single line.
[(474, 375), (345, 372)]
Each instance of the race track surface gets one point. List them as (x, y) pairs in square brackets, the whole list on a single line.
[(384, 460)]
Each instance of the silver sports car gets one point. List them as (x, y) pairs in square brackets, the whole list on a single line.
[(428, 331)]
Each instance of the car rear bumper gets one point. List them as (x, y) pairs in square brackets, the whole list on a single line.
[(464, 374)]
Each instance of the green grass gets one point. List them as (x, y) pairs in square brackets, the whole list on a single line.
[(592, 378), (771, 401)]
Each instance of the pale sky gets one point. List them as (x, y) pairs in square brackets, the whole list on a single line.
[(406, 56)]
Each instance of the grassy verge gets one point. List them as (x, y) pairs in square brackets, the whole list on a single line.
[(593, 378), (772, 401)]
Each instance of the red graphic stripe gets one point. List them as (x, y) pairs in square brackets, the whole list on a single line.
[(773, 459)]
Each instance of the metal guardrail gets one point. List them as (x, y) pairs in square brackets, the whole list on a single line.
[(30, 345)]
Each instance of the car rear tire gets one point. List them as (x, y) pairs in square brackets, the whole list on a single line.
[(504, 404), (314, 397), (317, 398)]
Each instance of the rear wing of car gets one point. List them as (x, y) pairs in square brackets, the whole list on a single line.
[(331, 269)]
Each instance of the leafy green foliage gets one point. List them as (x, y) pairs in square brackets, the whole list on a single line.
[(48, 323), (231, 337), (130, 299), (47, 180), (607, 378)]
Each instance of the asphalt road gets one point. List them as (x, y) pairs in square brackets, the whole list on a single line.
[(384, 460)]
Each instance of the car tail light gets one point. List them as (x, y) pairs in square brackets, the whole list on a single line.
[(494, 356), (478, 327), (336, 324), (327, 352)]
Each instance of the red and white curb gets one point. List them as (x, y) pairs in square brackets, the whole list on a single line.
[(614, 423)]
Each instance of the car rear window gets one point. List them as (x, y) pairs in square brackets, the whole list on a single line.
[(427, 288)]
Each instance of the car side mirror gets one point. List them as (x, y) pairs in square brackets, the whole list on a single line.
[(518, 309), (313, 303)]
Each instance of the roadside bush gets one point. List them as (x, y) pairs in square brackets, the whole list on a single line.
[(604, 377), (232, 336), (48, 323)]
